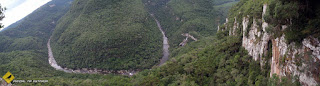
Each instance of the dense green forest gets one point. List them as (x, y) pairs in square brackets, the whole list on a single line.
[(23, 51), (107, 34), (117, 35), (32, 33), (121, 34), (222, 62), (199, 18), (302, 15), (23, 47)]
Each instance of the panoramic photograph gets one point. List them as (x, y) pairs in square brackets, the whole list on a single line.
[(159, 43)]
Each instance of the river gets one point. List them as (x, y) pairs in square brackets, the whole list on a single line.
[(54, 64), (166, 46), (164, 58)]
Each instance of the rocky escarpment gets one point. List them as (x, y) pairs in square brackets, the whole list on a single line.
[(288, 59)]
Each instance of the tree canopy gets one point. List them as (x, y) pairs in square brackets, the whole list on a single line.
[(2, 9)]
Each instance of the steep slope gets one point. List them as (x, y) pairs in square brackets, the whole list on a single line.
[(23, 51), (107, 34), (283, 35), (199, 18), (23, 47), (28, 33), (247, 50), (275, 35), (213, 60), (219, 60)]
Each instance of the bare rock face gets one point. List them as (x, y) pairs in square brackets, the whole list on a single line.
[(235, 26), (292, 60), (256, 42), (314, 45), (287, 59), (222, 29), (279, 48)]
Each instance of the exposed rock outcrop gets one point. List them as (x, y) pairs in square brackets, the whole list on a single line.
[(292, 60), (187, 35), (288, 59)]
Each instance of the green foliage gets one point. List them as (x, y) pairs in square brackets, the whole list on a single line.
[(2, 9), (275, 81), (225, 62), (220, 2), (222, 10), (27, 40), (23, 51), (251, 9), (23, 47), (301, 16), (30, 65), (293, 35), (285, 10), (185, 16), (33, 31), (120, 34), (249, 27), (107, 34)]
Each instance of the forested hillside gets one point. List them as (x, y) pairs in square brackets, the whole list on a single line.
[(27, 40), (96, 29), (232, 56), (199, 18), (107, 34), (262, 42), (283, 34), (222, 62), (23, 51)]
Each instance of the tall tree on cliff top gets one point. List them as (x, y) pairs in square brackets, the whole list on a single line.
[(1, 15)]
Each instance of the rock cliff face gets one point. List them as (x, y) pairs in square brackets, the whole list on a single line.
[(288, 59)]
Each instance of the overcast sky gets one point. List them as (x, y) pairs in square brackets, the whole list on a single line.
[(18, 9)]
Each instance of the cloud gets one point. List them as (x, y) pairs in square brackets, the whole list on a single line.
[(11, 3), (18, 9)]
